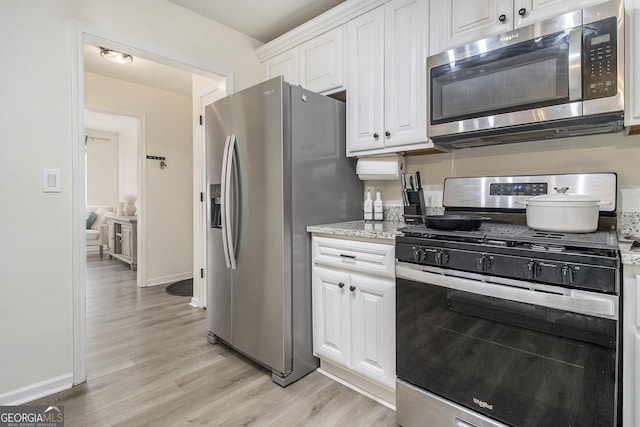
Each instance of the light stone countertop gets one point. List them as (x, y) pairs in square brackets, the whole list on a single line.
[(630, 257), (386, 230)]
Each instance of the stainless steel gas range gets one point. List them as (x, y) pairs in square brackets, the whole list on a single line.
[(504, 325)]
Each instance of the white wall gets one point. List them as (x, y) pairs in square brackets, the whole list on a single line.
[(127, 162), (595, 153), (102, 180), (36, 299)]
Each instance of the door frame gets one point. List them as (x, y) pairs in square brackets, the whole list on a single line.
[(82, 33), (201, 99)]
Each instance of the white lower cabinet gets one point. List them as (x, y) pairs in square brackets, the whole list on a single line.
[(354, 316), (631, 346), (373, 350)]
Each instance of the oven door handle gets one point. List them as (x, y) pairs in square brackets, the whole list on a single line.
[(589, 303)]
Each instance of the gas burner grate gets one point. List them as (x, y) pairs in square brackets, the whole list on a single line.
[(514, 234), (544, 235)]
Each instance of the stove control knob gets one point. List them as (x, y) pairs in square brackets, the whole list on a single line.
[(419, 255), (568, 274), (483, 263), (533, 270), (442, 257)]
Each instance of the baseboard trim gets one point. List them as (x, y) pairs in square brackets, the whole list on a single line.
[(363, 386), (36, 391), (195, 302), (163, 280)]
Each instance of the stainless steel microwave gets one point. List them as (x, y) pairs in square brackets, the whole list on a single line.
[(557, 78)]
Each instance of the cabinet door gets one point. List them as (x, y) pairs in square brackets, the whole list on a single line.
[(405, 72), (320, 62), (373, 337), (285, 64), (111, 241), (455, 22), (331, 328), (126, 240), (365, 109), (527, 12)]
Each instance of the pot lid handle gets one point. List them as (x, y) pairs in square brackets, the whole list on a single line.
[(561, 190)]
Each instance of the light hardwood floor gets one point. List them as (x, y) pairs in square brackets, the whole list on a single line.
[(149, 363)]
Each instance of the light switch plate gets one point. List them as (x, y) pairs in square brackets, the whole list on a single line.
[(51, 180)]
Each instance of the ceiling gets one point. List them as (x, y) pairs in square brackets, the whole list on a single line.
[(140, 71), (260, 19)]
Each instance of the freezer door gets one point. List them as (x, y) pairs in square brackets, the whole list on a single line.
[(219, 304), (262, 279)]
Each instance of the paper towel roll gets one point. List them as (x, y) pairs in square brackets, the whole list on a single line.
[(380, 168)]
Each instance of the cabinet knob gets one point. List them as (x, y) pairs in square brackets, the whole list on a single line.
[(352, 288), (341, 285), (387, 134), (522, 11), (376, 136), (502, 18)]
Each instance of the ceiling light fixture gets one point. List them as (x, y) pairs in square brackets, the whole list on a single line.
[(115, 56)]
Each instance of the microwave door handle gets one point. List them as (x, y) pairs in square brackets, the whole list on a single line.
[(575, 64)]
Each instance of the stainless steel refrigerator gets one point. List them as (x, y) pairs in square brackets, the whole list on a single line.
[(275, 164)]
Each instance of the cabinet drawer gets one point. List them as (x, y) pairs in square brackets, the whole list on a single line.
[(353, 255)]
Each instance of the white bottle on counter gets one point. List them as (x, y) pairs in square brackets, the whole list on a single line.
[(377, 207), (368, 207)]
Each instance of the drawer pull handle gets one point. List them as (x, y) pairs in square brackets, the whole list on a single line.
[(352, 288), (341, 285), (348, 256)]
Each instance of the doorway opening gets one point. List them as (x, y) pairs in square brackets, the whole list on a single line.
[(82, 35), (113, 144)]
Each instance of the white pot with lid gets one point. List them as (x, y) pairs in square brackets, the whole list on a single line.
[(562, 212)]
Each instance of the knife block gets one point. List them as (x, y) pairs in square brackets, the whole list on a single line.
[(416, 210)]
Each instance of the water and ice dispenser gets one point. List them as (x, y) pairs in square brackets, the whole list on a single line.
[(216, 205)]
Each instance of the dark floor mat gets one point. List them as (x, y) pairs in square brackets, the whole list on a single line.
[(183, 288)]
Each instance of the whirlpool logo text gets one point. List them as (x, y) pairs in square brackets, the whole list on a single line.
[(483, 404)]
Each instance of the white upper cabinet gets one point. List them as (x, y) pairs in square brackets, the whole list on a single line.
[(405, 73), (320, 62), (315, 64), (365, 90), (632, 64), (386, 95), (455, 22), (527, 12), (285, 64)]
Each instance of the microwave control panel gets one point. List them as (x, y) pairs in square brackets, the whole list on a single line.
[(600, 70)]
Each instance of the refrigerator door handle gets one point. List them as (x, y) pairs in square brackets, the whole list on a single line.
[(226, 200), (229, 230)]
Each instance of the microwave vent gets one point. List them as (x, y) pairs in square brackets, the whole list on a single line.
[(588, 125)]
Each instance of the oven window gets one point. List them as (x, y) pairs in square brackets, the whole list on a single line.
[(521, 364), (527, 75)]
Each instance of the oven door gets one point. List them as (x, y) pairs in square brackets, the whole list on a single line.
[(516, 78), (515, 352)]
